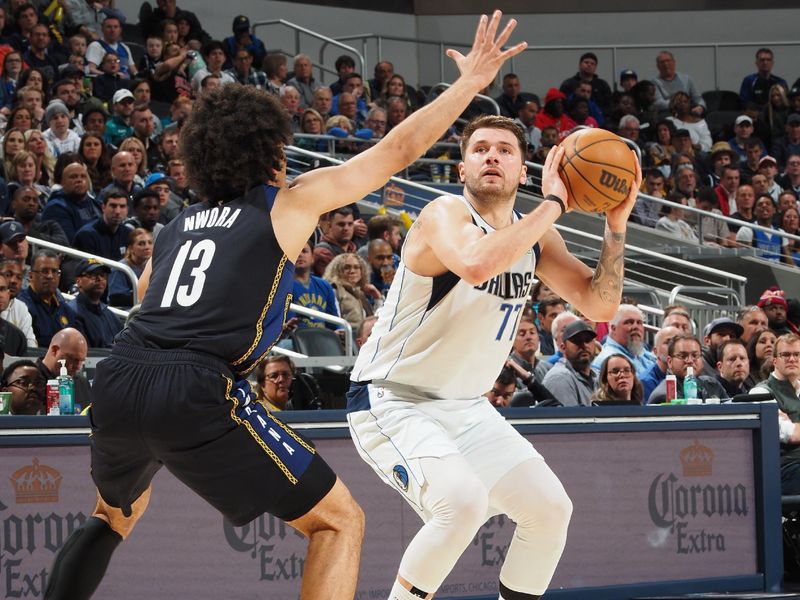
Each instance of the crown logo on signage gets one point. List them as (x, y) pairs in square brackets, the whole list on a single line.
[(36, 483), (697, 460)]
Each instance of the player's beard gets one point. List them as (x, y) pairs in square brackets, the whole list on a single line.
[(481, 191)]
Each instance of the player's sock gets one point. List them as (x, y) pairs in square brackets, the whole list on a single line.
[(400, 593), (507, 594), (81, 563)]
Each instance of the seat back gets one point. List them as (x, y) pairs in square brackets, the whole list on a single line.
[(722, 100), (316, 341)]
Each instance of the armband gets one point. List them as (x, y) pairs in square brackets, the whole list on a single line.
[(554, 198)]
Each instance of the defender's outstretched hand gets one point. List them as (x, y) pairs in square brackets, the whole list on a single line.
[(617, 217), (487, 56), (551, 180)]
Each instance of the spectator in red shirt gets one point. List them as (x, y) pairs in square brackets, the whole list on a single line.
[(552, 115)]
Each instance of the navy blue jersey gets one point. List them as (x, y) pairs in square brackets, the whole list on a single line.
[(220, 284)]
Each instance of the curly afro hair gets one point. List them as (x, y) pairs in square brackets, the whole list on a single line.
[(233, 141)]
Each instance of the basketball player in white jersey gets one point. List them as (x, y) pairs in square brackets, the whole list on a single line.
[(416, 410)]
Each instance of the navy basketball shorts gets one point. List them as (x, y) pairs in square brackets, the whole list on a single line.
[(184, 410)]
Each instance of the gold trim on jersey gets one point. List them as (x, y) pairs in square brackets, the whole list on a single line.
[(262, 443), (247, 371), (259, 323)]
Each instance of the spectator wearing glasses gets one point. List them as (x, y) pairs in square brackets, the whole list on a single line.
[(27, 388), (617, 382), (756, 87), (357, 298), (685, 351), (782, 383), (98, 324), (49, 310), (790, 180), (274, 376)]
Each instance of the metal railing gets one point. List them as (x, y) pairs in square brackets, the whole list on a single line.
[(36, 242), (445, 85), (614, 49), (696, 272), (300, 30)]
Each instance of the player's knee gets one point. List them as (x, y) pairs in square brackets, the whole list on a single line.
[(464, 505), (552, 509), (115, 518)]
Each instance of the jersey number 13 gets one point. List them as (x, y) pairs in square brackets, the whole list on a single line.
[(199, 256)]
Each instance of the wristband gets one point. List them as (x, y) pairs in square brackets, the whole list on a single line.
[(554, 198)]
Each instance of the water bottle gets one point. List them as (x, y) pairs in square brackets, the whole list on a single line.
[(66, 391), (196, 63), (690, 387)]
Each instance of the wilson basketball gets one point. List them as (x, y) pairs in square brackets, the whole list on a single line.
[(598, 168)]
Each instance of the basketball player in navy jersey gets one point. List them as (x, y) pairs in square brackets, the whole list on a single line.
[(416, 410), (174, 390)]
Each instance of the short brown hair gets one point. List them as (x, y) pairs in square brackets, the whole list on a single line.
[(493, 122)]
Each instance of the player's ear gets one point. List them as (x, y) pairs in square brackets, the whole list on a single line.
[(523, 174), (461, 176)]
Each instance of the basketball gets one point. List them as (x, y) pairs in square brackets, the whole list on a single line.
[(598, 168)]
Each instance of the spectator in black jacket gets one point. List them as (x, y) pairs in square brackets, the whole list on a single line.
[(98, 324), (107, 236), (72, 207), (25, 209)]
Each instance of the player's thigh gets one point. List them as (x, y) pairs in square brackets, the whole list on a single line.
[(336, 511), (490, 444), (393, 438)]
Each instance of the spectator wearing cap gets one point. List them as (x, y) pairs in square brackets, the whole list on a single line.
[(242, 38), (669, 81), (626, 337), (743, 132), (107, 236), (25, 209), (14, 243), (49, 310), (721, 156), (17, 312), (119, 126), (601, 91), (553, 115), (171, 203), (684, 351), (111, 42), (628, 79), (768, 167), (717, 332), (59, 137), (755, 87), (572, 380), (789, 144), (773, 303), (772, 246), (92, 317), (67, 91)]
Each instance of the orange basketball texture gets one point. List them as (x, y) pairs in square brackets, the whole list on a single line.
[(598, 168)]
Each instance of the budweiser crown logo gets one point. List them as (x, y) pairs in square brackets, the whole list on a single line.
[(36, 483), (696, 460)]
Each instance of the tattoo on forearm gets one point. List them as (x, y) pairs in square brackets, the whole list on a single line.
[(608, 275)]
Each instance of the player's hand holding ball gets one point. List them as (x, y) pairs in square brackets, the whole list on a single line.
[(601, 173)]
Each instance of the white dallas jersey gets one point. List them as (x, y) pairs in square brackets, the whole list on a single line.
[(443, 336)]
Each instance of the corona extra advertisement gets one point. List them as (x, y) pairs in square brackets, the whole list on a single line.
[(656, 506)]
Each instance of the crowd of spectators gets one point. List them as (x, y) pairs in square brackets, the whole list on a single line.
[(90, 160)]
